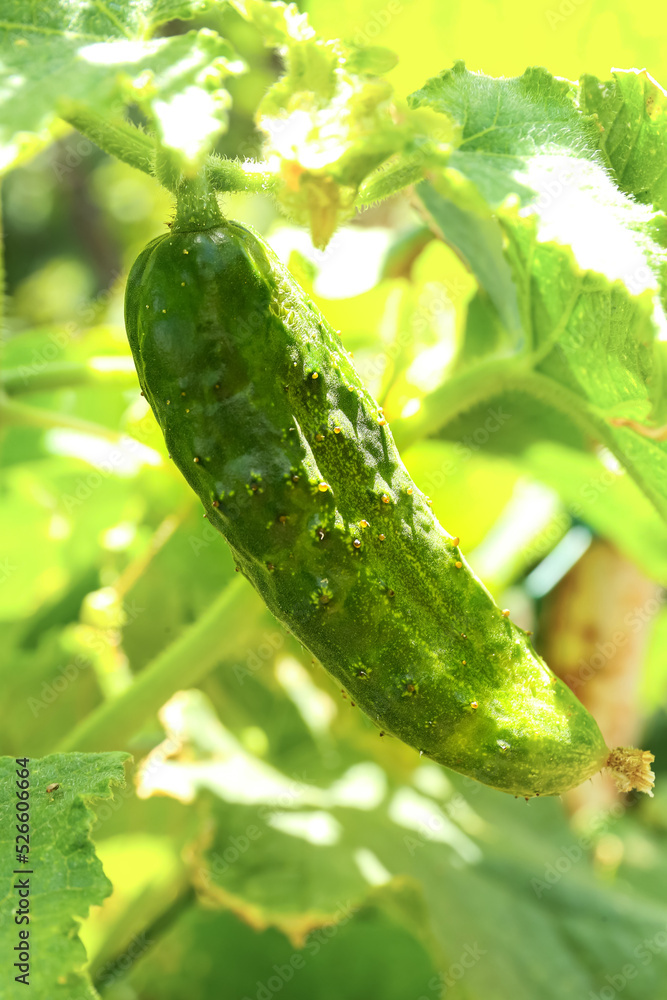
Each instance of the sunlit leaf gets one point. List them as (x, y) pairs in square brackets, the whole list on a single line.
[(584, 266), (97, 56), (631, 110)]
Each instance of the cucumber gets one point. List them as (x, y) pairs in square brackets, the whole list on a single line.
[(265, 416)]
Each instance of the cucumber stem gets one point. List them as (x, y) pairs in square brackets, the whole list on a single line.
[(196, 205), (140, 150), (233, 175)]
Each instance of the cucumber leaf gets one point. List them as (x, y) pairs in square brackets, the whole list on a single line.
[(468, 870), (631, 111), (63, 874), (101, 57), (587, 270)]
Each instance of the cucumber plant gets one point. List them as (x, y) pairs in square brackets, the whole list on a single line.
[(265, 416), (551, 193)]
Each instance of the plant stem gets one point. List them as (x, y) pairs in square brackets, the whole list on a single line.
[(196, 205), (223, 630), (167, 168), (118, 137), (230, 175), (119, 966), (454, 397), (131, 145), (106, 372), (490, 380), (399, 172)]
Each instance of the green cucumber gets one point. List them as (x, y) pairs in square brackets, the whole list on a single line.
[(264, 414)]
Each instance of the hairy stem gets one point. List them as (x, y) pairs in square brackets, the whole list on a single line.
[(196, 205), (139, 150), (118, 137), (232, 175), (398, 173)]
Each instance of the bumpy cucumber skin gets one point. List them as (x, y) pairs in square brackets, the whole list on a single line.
[(267, 419)]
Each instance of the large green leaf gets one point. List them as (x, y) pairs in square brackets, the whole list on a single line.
[(530, 139), (631, 110), (585, 269), (505, 883), (368, 954), (533, 138), (101, 56), (62, 874), (504, 125), (479, 241), (591, 358)]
